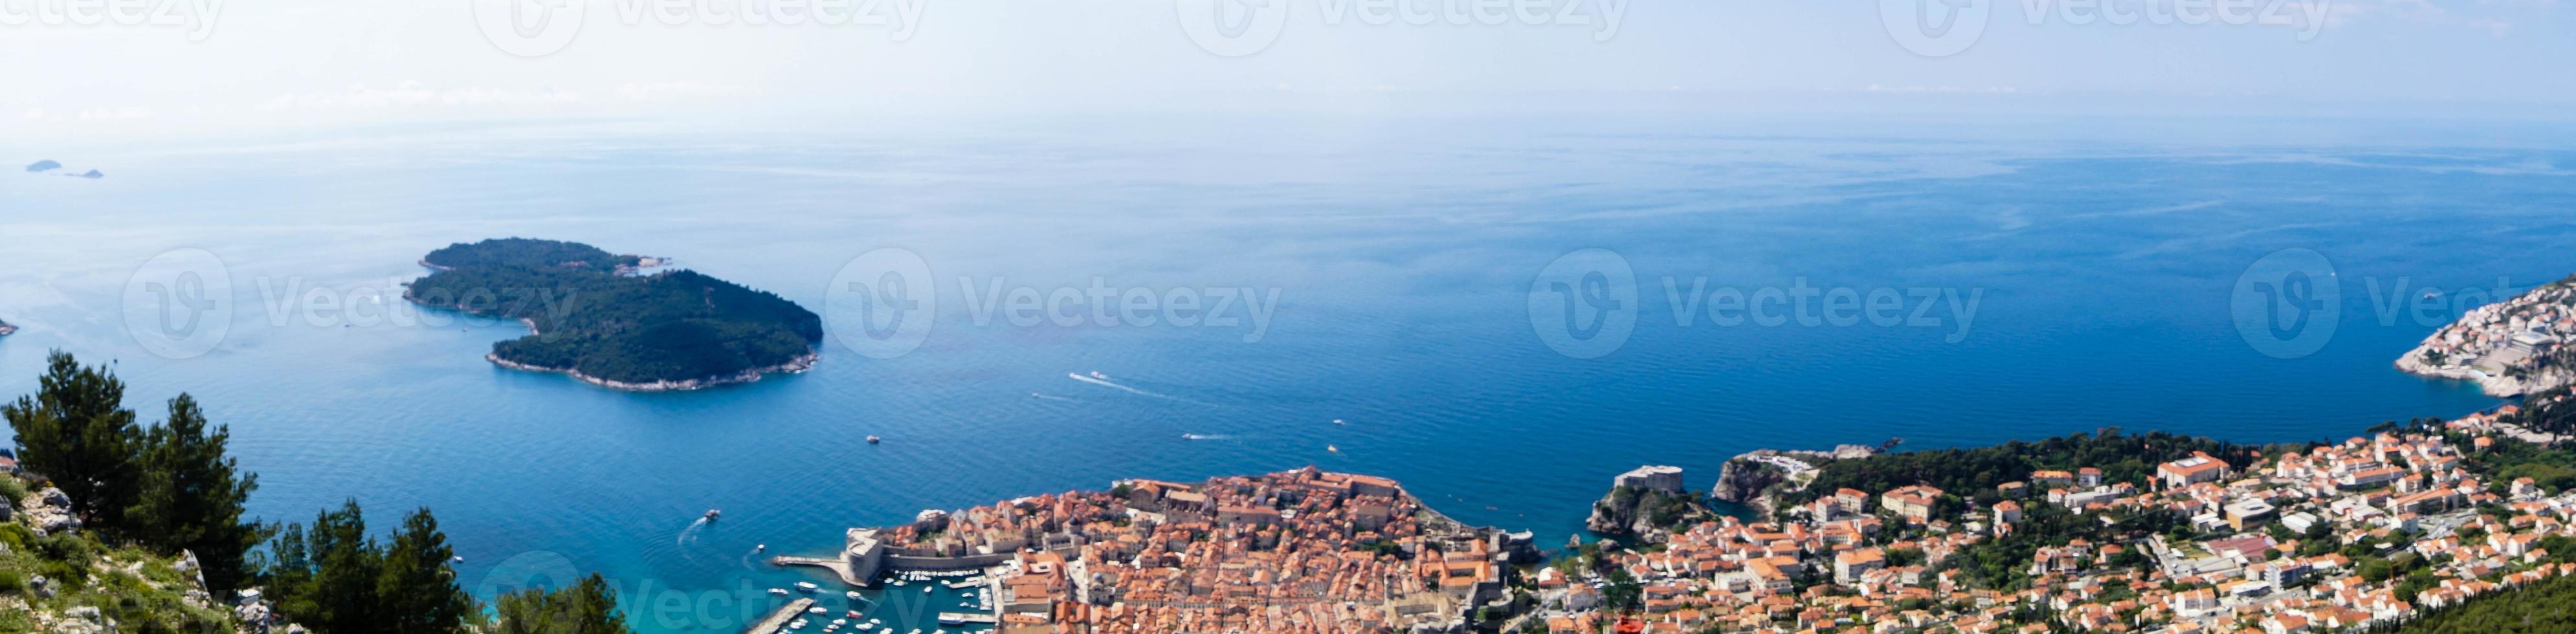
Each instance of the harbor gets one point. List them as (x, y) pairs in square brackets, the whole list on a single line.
[(779, 619), (973, 585), (839, 567)]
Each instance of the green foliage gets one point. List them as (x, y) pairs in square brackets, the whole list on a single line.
[(593, 319), (75, 431), (170, 487), (2549, 411), (1624, 593), (2003, 563), (192, 497), (2544, 606), (332, 578), (140, 590), (526, 253), (2508, 459), (336, 579), (1974, 472)]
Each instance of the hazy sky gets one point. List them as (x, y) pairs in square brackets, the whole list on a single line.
[(195, 67)]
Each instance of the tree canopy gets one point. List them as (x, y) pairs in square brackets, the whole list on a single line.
[(76, 430), (591, 317), (335, 578), (589, 607), (173, 487)]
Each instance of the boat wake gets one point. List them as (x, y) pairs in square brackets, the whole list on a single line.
[(1051, 397), (1102, 380), (1207, 437), (691, 533)]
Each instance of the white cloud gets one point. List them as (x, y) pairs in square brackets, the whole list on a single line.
[(127, 113), (664, 91), (414, 94)]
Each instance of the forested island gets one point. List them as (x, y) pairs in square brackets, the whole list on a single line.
[(600, 318)]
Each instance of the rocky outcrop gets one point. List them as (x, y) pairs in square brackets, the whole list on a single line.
[(1750, 478), (797, 365), (1742, 481), (75, 620), (1643, 515), (49, 511)]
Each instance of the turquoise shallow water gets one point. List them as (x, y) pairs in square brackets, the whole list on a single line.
[(1402, 255)]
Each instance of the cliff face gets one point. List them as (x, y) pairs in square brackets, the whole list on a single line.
[(1644, 515), (1741, 481), (1614, 514)]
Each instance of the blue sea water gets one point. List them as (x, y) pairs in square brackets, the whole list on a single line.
[(1403, 256)]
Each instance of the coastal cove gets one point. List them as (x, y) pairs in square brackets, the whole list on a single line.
[(2106, 271)]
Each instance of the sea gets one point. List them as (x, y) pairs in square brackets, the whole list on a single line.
[(1502, 314)]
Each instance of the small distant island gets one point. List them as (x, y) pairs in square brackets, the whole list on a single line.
[(2510, 348), (49, 165), (602, 319), (6, 329)]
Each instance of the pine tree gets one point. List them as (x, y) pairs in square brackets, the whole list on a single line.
[(420, 590), (586, 608), (335, 579), (74, 431), (346, 565), (191, 496)]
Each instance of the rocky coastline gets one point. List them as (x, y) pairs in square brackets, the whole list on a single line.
[(2509, 348), (793, 366), (2495, 385), (1750, 478)]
